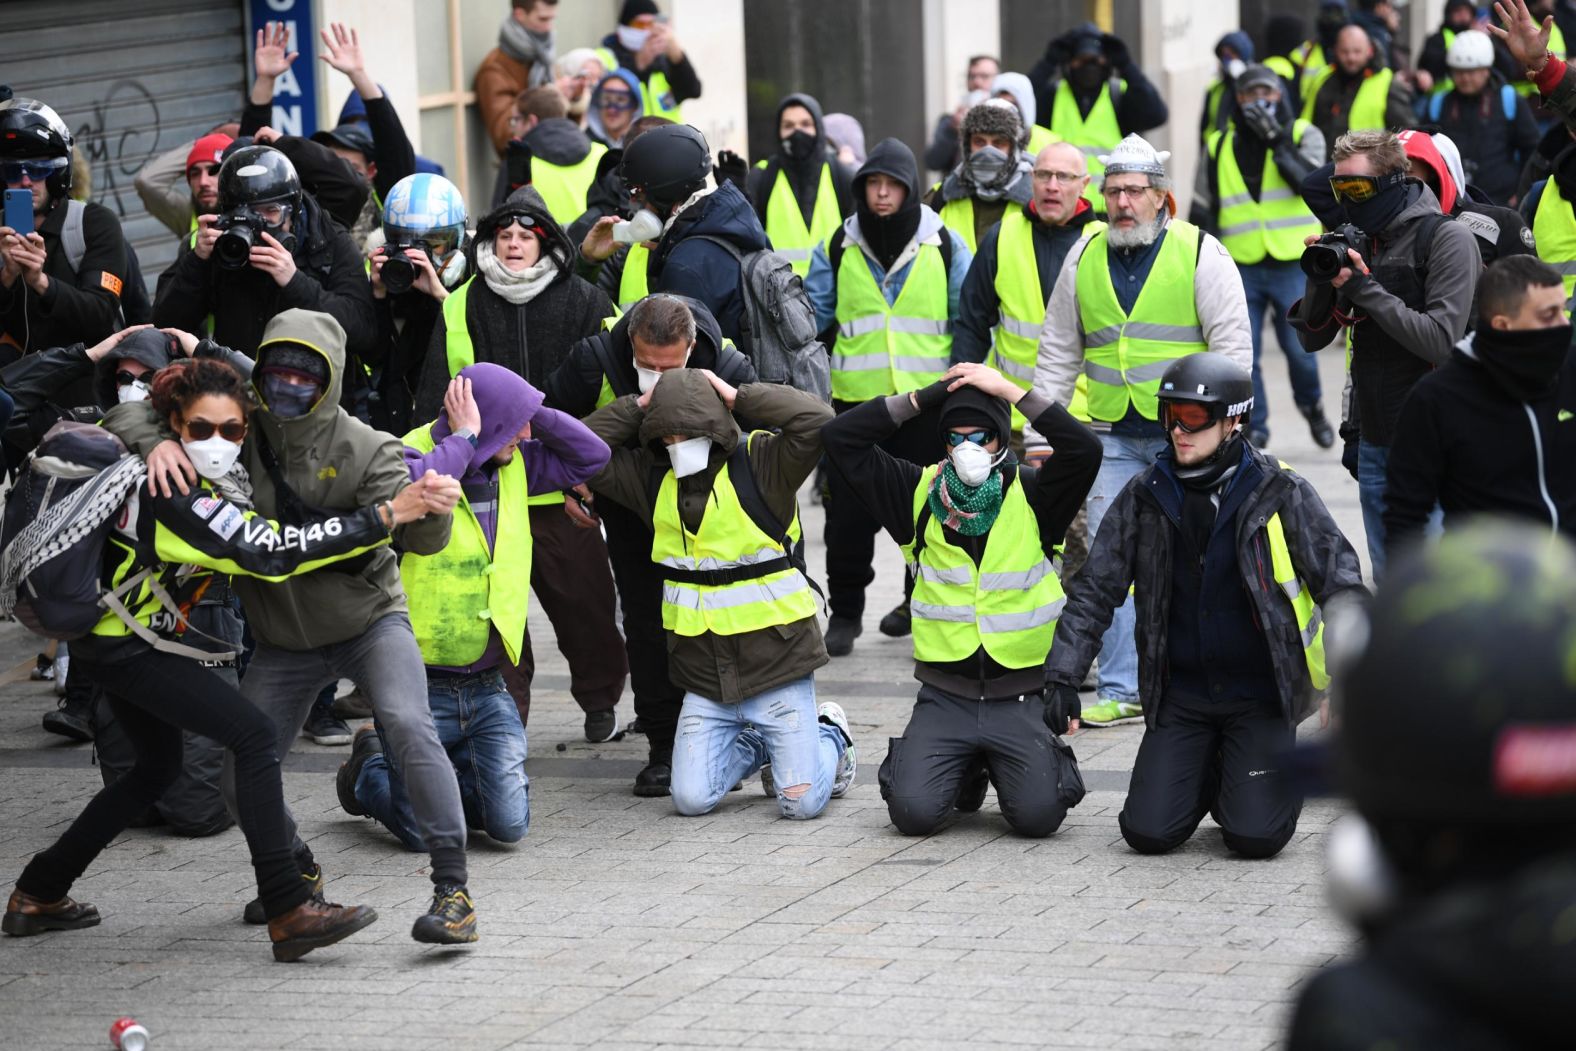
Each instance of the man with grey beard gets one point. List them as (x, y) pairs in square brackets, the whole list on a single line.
[(1128, 303)]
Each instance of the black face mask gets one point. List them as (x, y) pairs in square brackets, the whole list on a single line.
[(1374, 215), (1087, 77), (799, 146), (1525, 363)]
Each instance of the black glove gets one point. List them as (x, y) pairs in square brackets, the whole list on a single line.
[(1060, 50), (1061, 704), (1115, 51), (730, 167), (1262, 122), (1350, 436), (517, 164)]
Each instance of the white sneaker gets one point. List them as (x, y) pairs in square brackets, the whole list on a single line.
[(62, 666), (768, 786), (848, 765)]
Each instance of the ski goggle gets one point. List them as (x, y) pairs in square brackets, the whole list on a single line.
[(1355, 189), (37, 170), (620, 101), (981, 438), (1190, 416), (202, 430)]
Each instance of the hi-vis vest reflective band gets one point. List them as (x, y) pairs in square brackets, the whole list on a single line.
[(1008, 604), (563, 187), (958, 216), (730, 578), (785, 222), (1022, 308), (1367, 107), (1272, 226), (1310, 622), (632, 283), (1554, 232), (1098, 133), (459, 594), (1125, 355), (889, 350), (457, 346)]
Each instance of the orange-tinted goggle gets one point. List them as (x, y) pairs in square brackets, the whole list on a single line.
[(1191, 416)]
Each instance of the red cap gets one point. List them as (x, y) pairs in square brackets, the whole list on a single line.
[(207, 149)]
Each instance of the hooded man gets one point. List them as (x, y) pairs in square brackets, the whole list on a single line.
[(743, 636), (1356, 91), (616, 104), (889, 279), (993, 176), (986, 534), (523, 59), (645, 45), (1234, 51), (800, 192)]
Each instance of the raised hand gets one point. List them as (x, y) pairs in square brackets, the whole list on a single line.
[(1527, 40), (460, 403), (272, 57)]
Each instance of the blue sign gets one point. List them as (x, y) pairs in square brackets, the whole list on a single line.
[(295, 91)]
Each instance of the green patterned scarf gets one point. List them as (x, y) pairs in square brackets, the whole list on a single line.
[(970, 511)]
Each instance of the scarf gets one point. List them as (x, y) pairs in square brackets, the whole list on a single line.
[(1524, 364), (969, 511), (694, 198), (1018, 190), (235, 486), (515, 286), (1201, 489), (534, 51)]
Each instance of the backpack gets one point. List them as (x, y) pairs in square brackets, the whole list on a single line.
[(1507, 103), (135, 306), (779, 323)]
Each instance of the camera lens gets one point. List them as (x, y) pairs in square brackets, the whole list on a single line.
[(233, 249), (399, 274), (1322, 262)]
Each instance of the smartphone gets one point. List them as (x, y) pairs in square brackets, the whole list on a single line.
[(19, 210)]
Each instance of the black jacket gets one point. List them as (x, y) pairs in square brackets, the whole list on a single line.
[(403, 339), (1135, 548), (555, 140), (886, 486), (80, 307), (330, 278), (1464, 442), (1493, 148), (687, 265)]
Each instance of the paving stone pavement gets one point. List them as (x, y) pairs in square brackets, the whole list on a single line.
[(617, 924)]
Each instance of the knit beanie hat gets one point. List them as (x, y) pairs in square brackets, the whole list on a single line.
[(972, 407), (993, 117), (208, 150), (293, 358), (633, 9)]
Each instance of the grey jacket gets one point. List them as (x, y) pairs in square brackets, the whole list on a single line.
[(1135, 547)]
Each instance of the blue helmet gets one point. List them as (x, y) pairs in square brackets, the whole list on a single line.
[(427, 210)]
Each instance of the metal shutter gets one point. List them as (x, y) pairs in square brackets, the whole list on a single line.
[(131, 80)]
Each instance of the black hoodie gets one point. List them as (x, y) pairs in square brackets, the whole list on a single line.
[(888, 235), (804, 176)]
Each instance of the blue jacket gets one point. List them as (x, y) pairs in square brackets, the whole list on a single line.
[(687, 266), (821, 283)]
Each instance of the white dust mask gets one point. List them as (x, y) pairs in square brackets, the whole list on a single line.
[(689, 456), (644, 226), (974, 464), (213, 457), (133, 391)]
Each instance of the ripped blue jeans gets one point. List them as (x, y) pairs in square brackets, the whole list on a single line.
[(718, 745)]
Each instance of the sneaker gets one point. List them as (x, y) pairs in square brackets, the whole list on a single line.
[(364, 746), (1109, 713), (43, 669), (1318, 425), (26, 915), (313, 924), (73, 719), (62, 667), (840, 635), (253, 912), (323, 728), (848, 764), (451, 920), (601, 726), (898, 623)]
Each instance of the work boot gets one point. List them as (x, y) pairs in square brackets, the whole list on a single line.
[(365, 745), (840, 635), (898, 623), (976, 782), (313, 924), (657, 778), (73, 718), (26, 915), (254, 914), (601, 726), (1318, 426), (451, 920)]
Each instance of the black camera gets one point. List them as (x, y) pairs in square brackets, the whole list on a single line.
[(239, 230), (398, 272), (1323, 259)]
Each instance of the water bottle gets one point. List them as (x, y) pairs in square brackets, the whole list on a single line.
[(127, 1034)]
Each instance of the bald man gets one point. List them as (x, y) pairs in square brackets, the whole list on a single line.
[(1356, 92)]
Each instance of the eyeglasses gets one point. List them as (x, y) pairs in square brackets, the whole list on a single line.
[(1190, 416), (36, 170), (125, 378), (202, 430), (616, 100), (955, 439), (1116, 193), (1358, 188), (1065, 178)]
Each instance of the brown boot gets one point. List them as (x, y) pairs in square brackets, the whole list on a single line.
[(25, 915), (314, 924)]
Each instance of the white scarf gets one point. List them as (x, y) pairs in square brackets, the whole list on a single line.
[(694, 197), (515, 286)]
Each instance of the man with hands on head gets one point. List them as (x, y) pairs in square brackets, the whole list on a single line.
[(983, 534)]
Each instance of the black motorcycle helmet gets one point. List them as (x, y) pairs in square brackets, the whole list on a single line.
[(258, 175), (31, 131), (1209, 379), (668, 164)]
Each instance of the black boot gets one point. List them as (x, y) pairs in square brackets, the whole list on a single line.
[(656, 779), (840, 635), (898, 623), (1318, 425), (74, 717)]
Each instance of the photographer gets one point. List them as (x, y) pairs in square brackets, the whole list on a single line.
[(1403, 280), (270, 249)]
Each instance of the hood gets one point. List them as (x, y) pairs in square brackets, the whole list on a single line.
[(684, 403), (799, 98), (507, 403), (1283, 34), (844, 130), (554, 241), (594, 115), (1419, 146), (149, 347), (725, 213), (1239, 42), (559, 141), (1017, 85), (307, 330), (889, 157), (1452, 156)]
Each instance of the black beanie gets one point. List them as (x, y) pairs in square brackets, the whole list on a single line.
[(972, 407), (291, 357), (633, 9)]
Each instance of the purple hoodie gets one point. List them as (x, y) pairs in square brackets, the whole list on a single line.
[(561, 453)]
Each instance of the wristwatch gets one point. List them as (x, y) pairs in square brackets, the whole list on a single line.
[(468, 434)]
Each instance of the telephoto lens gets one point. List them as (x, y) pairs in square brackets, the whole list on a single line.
[(233, 249)]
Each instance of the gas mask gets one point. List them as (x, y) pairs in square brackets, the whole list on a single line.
[(689, 456)]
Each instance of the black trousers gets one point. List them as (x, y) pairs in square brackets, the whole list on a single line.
[(657, 700), (850, 531), (154, 697), (946, 741), (1228, 760)]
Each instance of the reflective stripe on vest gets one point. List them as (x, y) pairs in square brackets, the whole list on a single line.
[(885, 349), (1554, 232), (1009, 603), (1310, 621), (1272, 226), (632, 283), (1368, 105), (728, 540), (785, 222), (1125, 354), (460, 594), (958, 216), (1093, 135), (659, 101), (564, 186), (1022, 305)]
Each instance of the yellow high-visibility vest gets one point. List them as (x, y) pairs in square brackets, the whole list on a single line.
[(889, 349), (785, 224), (1276, 223)]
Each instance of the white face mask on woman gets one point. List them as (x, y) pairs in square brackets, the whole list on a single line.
[(974, 464), (689, 456), (213, 457)]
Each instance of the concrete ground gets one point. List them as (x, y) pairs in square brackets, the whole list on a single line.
[(617, 924)]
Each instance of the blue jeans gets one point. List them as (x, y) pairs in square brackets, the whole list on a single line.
[(1124, 458), (480, 729), (1278, 284), (718, 745), (1373, 462)]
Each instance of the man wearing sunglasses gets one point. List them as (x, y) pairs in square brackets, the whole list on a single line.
[(1232, 557)]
